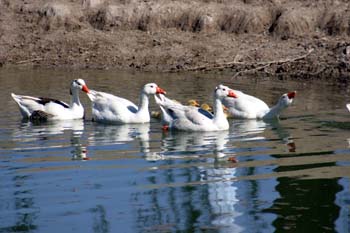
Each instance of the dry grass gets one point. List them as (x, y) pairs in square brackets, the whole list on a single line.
[(274, 17), (335, 20), (244, 19), (295, 22)]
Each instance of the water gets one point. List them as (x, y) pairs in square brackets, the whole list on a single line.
[(78, 176)]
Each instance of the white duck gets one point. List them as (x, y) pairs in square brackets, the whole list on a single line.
[(107, 108), (190, 118), (249, 107), (48, 108), (348, 106)]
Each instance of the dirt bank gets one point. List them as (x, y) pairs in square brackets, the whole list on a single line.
[(304, 39)]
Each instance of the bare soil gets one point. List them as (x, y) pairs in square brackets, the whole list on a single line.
[(302, 39)]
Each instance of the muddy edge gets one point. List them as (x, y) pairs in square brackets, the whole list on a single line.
[(302, 39)]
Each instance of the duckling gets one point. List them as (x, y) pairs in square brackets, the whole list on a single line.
[(156, 114), (193, 102), (207, 107), (225, 111)]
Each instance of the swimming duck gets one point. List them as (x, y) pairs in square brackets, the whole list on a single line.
[(108, 108), (249, 107), (47, 108), (191, 102), (190, 118)]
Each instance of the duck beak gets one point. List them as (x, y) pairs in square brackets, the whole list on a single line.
[(292, 94), (85, 89), (160, 91), (231, 94)]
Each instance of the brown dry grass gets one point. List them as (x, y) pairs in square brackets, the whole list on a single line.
[(274, 17), (335, 20)]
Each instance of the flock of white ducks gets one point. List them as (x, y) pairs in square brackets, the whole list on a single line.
[(108, 108)]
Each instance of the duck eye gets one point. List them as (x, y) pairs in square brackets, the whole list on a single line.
[(151, 86), (224, 89)]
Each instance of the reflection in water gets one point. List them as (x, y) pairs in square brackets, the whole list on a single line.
[(226, 199), (222, 191), (217, 198), (250, 193), (100, 223), (301, 202), (105, 134), (255, 195), (304, 201), (128, 141), (247, 128), (37, 137), (45, 132), (30, 129), (79, 151), (24, 205), (251, 130), (343, 201)]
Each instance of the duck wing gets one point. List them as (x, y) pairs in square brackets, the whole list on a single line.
[(106, 100)]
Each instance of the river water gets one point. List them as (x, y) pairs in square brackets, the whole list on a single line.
[(290, 175)]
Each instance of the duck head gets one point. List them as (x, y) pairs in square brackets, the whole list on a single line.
[(287, 99), (223, 91), (152, 89), (78, 84)]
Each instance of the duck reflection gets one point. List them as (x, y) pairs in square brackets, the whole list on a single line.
[(27, 137), (250, 137), (216, 171), (250, 130), (247, 127), (46, 132), (212, 162), (79, 151), (222, 191), (30, 129), (121, 137)]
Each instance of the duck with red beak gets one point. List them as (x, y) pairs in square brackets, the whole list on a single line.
[(108, 108), (43, 108), (249, 107)]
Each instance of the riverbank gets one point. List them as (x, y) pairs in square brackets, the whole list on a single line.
[(302, 39)]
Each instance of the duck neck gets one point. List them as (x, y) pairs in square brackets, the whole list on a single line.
[(218, 111), (143, 103), (275, 111), (75, 101)]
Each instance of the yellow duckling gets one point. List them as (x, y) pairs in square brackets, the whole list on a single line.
[(225, 111), (207, 107), (193, 102), (156, 114)]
